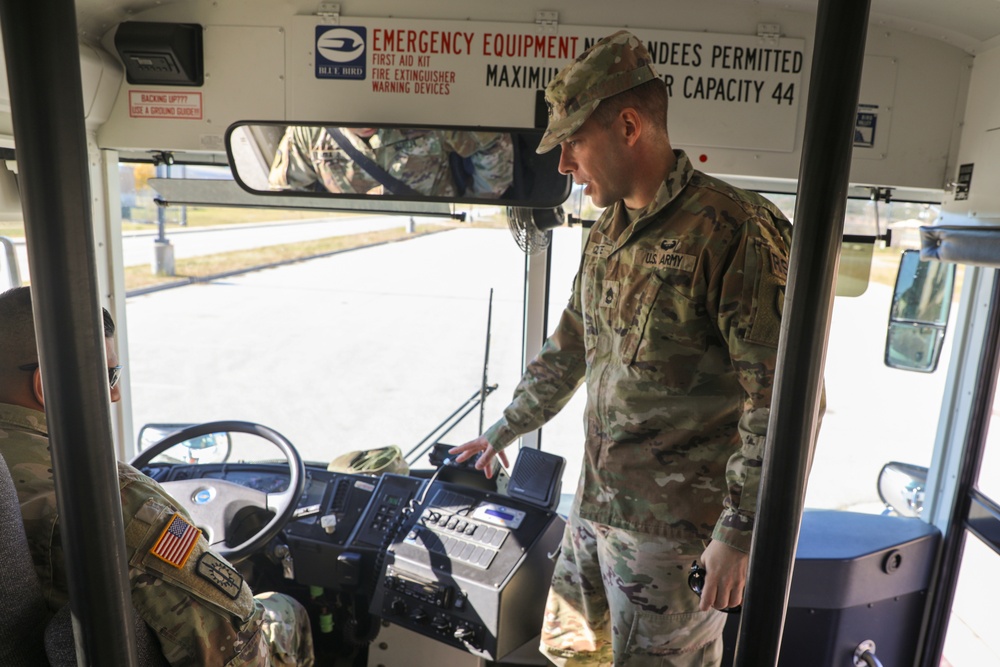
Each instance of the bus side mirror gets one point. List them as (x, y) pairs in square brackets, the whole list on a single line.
[(901, 488), (212, 448), (918, 317)]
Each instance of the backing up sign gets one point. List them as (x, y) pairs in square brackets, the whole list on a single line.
[(340, 52)]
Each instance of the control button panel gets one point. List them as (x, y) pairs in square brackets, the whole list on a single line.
[(457, 537)]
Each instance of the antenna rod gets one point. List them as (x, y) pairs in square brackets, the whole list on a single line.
[(486, 364)]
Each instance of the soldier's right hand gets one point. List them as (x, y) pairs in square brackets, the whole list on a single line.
[(486, 453)]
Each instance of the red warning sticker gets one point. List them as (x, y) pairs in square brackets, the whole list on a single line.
[(160, 104)]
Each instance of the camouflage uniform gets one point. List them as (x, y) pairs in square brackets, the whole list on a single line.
[(420, 158), (673, 326), (491, 160), (308, 158), (197, 622), (619, 593)]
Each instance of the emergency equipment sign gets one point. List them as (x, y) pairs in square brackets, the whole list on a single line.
[(711, 78)]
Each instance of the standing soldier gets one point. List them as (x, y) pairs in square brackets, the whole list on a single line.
[(673, 326)]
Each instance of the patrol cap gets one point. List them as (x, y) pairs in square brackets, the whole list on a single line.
[(613, 65)]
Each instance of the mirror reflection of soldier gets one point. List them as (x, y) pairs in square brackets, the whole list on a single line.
[(423, 159), (394, 161), (308, 158)]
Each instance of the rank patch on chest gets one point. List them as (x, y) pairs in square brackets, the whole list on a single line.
[(609, 293), (660, 259), (220, 574), (176, 541), (779, 265)]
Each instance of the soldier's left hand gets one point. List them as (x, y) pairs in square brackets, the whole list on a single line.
[(726, 575)]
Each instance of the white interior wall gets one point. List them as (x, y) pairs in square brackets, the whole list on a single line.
[(254, 71), (980, 147)]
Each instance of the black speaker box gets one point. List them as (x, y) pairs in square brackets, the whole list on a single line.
[(166, 54), (537, 477)]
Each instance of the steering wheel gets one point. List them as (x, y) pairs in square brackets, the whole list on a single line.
[(214, 503)]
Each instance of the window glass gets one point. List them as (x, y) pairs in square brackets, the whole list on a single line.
[(874, 414), (989, 470), (971, 639), (563, 435), (376, 340)]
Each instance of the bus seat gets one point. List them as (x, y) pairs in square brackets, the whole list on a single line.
[(60, 646), (27, 635), (23, 612)]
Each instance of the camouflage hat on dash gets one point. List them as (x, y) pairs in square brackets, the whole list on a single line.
[(613, 65)]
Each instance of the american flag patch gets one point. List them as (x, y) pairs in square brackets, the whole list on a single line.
[(176, 541)]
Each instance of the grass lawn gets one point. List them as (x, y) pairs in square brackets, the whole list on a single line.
[(206, 266), (144, 219)]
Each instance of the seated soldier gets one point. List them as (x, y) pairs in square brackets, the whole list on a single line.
[(196, 621)]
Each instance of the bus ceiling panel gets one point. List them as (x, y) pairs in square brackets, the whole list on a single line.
[(244, 78), (968, 24), (736, 96), (971, 184), (101, 74), (101, 77)]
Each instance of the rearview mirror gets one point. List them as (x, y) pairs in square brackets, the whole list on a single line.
[(468, 165), (918, 318)]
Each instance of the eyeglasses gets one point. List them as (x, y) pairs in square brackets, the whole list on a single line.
[(696, 580), (114, 373)]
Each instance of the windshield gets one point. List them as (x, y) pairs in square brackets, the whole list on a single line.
[(874, 414), (374, 341), (380, 339)]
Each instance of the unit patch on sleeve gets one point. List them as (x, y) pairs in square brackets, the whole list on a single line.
[(220, 574), (176, 541)]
